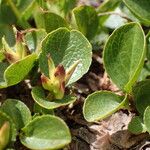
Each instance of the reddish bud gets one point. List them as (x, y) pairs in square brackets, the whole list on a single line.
[(19, 37), (44, 79), (60, 72), (10, 57)]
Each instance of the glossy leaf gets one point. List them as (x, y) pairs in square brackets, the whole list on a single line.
[(102, 104), (147, 118), (142, 95), (46, 132), (40, 98), (140, 9), (87, 20), (17, 111), (124, 55), (66, 47), (49, 21), (18, 71), (136, 126)]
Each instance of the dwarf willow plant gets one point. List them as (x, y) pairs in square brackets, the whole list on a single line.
[(50, 44), (125, 57)]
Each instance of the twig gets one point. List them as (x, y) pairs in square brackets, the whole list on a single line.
[(115, 13)]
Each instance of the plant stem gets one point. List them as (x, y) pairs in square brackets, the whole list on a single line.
[(23, 23), (114, 13)]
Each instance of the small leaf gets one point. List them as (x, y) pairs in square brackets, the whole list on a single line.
[(13, 132), (46, 132), (17, 111), (40, 98), (147, 118), (140, 9), (18, 71), (66, 47), (107, 6), (124, 55), (34, 39), (87, 20), (29, 10), (142, 95), (7, 32), (102, 104), (136, 126), (43, 111), (49, 21), (3, 67)]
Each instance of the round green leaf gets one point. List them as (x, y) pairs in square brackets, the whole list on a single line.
[(17, 111), (102, 104), (13, 132), (141, 92), (66, 47), (140, 9), (17, 72), (124, 55), (46, 132), (49, 21), (87, 20), (136, 126), (147, 118), (39, 97)]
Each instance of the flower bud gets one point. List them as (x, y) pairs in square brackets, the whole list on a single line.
[(4, 135)]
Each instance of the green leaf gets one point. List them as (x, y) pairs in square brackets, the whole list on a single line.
[(40, 98), (17, 111), (17, 72), (67, 5), (43, 111), (46, 132), (147, 118), (107, 6), (145, 71), (7, 16), (87, 20), (140, 9), (7, 32), (13, 131), (49, 21), (136, 126), (2, 56), (29, 10), (124, 55), (3, 67), (66, 47), (142, 95), (34, 39), (102, 104)]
